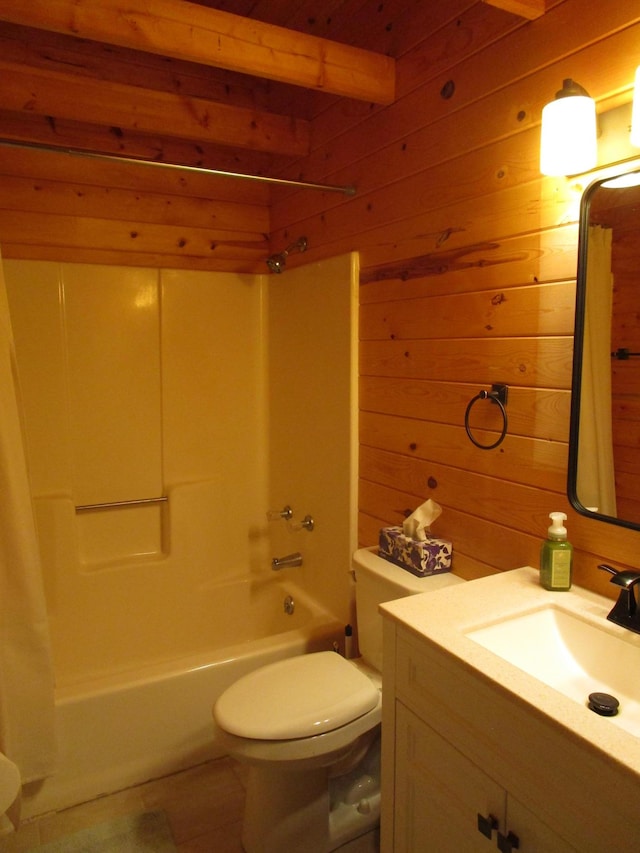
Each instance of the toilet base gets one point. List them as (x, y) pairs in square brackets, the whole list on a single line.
[(310, 811)]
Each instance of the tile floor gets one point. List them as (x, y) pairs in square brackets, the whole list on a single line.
[(203, 805)]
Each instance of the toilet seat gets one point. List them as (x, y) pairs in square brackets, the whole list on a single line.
[(300, 697), (304, 753)]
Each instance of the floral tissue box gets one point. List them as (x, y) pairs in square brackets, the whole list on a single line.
[(430, 557)]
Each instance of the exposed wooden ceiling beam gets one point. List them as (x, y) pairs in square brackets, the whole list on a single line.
[(59, 95), (187, 31), (530, 9)]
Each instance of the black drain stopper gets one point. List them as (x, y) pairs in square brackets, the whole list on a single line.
[(603, 704)]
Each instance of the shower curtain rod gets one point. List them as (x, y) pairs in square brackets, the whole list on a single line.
[(309, 185)]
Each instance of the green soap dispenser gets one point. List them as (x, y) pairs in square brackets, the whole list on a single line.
[(556, 555)]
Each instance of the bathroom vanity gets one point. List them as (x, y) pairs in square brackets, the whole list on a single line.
[(481, 752)]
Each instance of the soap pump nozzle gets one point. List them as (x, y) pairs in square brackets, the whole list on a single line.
[(557, 530)]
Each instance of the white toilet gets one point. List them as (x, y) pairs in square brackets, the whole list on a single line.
[(309, 727)]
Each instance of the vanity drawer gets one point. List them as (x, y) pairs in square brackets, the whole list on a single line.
[(423, 683)]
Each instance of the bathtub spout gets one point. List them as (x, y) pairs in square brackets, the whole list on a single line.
[(288, 562)]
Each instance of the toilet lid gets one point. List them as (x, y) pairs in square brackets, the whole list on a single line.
[(295, 698)]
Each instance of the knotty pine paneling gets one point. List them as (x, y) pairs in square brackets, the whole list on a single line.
[(52, 51), (566, 30), (468, 255), (520, 459), (21, 230), (482, 86), (144, 180), (113, 140), (530, 361), (56, 206), (86, 210), (451, 130), (495, 313), (471, 492), (542, 412), (498, 544), (51, 197), (530, 258), (74, 98), (447, 34), (468, 265)]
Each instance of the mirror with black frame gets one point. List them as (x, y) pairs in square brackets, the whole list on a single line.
[(604, 443)]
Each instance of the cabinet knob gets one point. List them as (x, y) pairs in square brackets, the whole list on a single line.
[(486, 824), (508, 842)]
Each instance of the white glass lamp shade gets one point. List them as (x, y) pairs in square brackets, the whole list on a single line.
[(635, 114), (568, 142)]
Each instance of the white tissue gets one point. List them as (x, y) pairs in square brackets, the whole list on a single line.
[(417, 525)]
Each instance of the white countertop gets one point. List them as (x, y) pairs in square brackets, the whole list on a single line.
[(443, 618)]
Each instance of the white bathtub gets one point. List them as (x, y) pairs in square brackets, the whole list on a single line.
[(128, 726)]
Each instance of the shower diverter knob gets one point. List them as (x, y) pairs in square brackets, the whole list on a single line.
[(364, 807)]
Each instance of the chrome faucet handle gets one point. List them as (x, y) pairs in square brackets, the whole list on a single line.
[(625, 611), (274, 514), (307, 523)]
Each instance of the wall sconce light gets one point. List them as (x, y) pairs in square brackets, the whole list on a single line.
[(568, 143), (635, 112)]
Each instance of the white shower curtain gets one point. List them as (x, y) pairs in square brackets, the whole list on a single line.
[(26, 674), (596, 476)]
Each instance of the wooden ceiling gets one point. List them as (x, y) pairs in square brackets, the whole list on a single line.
[(108, 76), (235, 81), (227, 85)]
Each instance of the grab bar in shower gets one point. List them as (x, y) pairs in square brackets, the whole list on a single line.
[(116, 504)]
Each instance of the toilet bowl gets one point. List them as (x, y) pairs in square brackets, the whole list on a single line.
[(309, 729), (306, 725)]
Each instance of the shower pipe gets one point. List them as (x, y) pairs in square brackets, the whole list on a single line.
[(117, 158)]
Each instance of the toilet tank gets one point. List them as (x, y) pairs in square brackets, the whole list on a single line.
[(378, 580)]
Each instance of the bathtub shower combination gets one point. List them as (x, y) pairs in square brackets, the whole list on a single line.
[(130, 726), (154, 543)]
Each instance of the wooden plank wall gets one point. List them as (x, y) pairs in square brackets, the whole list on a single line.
[(468, 255), (64, 207), (468, 262), (56, 206)]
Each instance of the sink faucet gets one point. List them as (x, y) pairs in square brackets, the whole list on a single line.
[(625, 611)]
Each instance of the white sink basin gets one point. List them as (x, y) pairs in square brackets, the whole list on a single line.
[(572, 655)]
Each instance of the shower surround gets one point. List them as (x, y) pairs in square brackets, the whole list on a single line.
[(211, 398)]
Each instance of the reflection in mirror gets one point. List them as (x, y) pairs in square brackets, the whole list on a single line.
[(604, 445)]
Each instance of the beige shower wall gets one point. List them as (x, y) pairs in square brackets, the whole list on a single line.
[(141, 383), (313, 388)]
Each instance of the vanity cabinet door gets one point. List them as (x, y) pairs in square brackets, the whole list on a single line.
[(442, 798), (533, 834), (439, 793)]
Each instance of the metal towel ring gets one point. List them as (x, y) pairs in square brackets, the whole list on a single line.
[(498, 395)]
